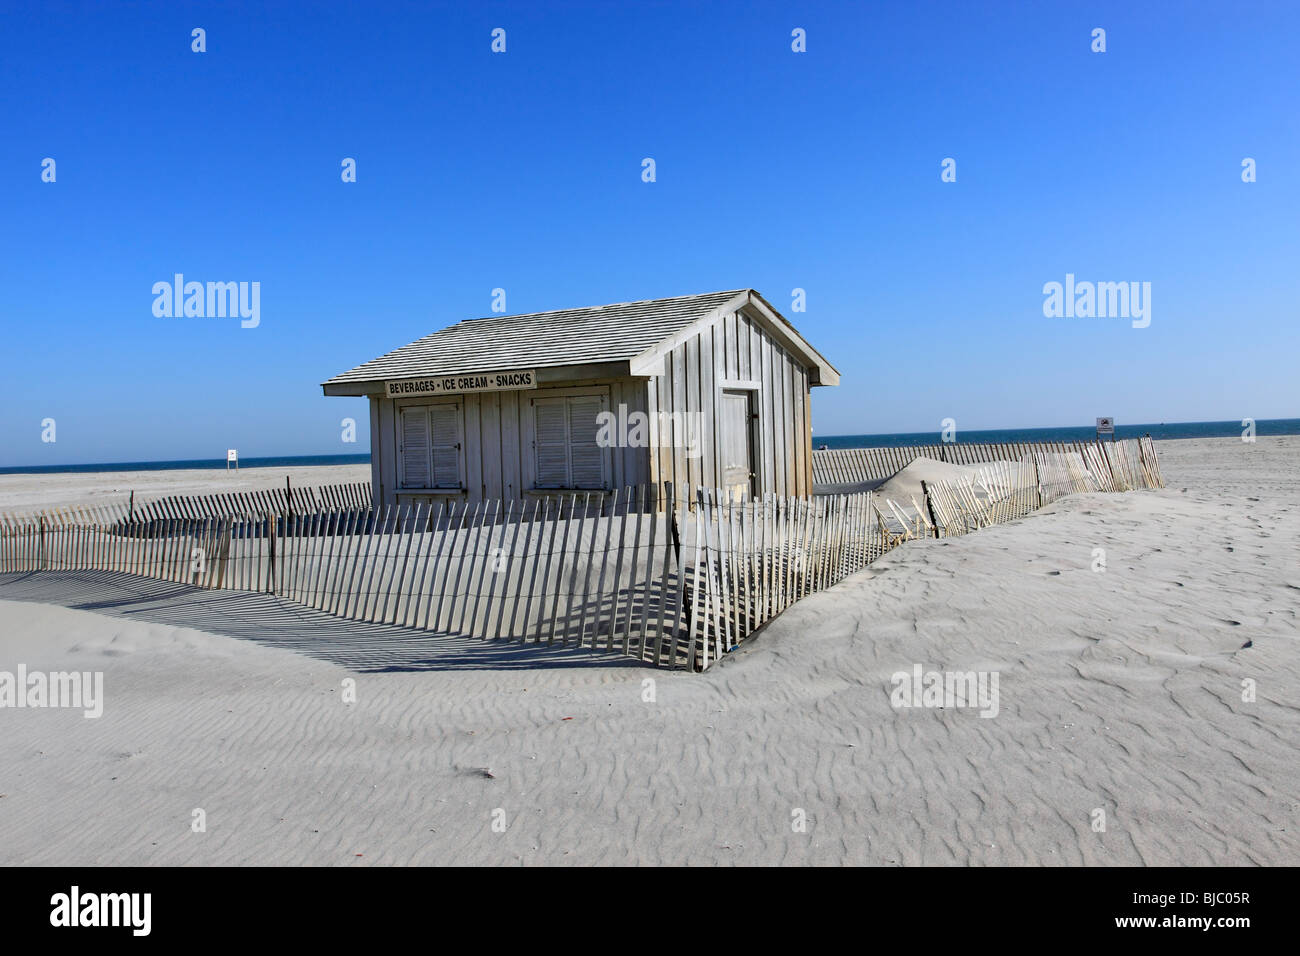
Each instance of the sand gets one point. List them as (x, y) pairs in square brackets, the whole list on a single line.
[(1119, 690), (31, 492)]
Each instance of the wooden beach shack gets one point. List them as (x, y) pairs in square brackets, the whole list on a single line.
[(710, 389)]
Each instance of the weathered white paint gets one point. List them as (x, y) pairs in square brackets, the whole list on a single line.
[(735, 355)]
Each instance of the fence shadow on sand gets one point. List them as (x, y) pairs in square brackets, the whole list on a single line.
[(276, 622)]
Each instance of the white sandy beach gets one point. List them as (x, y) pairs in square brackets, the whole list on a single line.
[(1119, 690), (33, 492)]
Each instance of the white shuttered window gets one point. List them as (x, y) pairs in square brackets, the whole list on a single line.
[(564, 441), (429, 451)]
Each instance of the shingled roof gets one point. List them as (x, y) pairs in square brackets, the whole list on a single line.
[(596, 335)]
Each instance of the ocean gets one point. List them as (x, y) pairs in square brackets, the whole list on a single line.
[(1230, 429)]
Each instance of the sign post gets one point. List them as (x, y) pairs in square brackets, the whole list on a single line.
[(1106, 426), (232, 455)]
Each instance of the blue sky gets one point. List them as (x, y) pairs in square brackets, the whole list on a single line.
[(775, 170)]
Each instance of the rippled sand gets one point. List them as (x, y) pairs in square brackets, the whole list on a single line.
[(1120, 690)]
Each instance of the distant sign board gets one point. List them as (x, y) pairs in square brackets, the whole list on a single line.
[(1105, 426), (466, 382), (232, 456)]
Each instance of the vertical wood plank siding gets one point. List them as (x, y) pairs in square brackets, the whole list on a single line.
[(735, 349)]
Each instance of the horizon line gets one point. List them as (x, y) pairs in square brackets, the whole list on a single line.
[(248, 462)]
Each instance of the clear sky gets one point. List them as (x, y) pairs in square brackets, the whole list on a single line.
[(522, 170)]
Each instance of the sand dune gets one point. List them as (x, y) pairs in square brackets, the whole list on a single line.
[(1119, 690)]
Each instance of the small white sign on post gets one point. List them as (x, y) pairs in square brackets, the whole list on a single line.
[(1105, 426), (232, 455)]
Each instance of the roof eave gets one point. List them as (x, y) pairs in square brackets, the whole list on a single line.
[(546, 375), (352, 388), (824, 373)]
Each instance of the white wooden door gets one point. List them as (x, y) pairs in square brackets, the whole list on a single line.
[(736, 442)]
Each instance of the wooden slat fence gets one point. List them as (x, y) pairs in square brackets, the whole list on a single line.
[(753, 558), (584, 570), (642, 572), (1004, 491), (314, 498), (840, 466)]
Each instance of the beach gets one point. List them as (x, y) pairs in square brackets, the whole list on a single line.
[(51, 490), (303, 740)]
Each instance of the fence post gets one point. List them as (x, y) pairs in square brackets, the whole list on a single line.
[(929, 506), (271, 531), (40, 545), (672, 513)]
